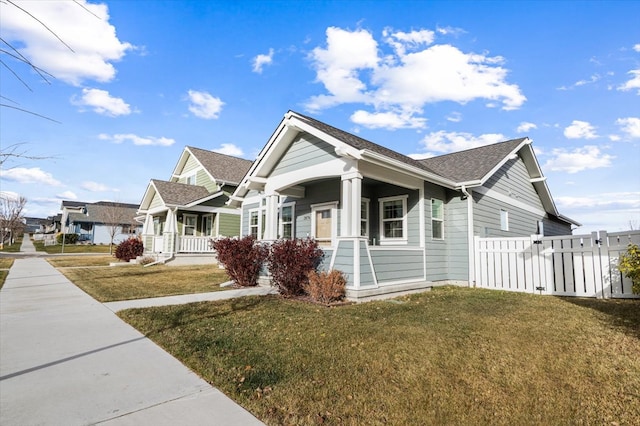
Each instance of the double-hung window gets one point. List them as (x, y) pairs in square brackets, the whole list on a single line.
[(364, 217), (437, 219), (254, 223), (286, 221), (393, 219), (189, 225)]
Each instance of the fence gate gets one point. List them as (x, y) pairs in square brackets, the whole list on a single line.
[(569, 265)]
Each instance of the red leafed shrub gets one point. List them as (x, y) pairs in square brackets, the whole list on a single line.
[(326, 287), (129, 249), (242, 258), (289, 263)]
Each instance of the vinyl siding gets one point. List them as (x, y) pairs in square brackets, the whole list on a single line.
[(513, 180), (203, 179), (457, 236), (244, 228), (229, 224), (305, 151), (344, 260), (487, 218), (366, 273), (393, 265), (156, 202)]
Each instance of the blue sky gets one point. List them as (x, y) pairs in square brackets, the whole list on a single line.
[(145, 79)]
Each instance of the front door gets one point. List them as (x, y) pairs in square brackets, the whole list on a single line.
[(323, 226)]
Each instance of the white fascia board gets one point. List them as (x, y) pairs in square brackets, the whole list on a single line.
[(147, 193), (525, 143), (383, 160)]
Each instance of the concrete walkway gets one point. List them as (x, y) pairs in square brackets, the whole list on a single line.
[(66, 359)]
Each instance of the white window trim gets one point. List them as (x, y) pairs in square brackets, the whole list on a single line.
[(367, 220), (291, 204), (441, 220), (504, 220), (388, 241), (192, 174), (184, 224), (333, 205), (259, 211), (204, 220)]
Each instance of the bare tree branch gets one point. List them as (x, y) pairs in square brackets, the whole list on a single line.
[(12, 151), (11, 217), (43, 24), (30, 112)]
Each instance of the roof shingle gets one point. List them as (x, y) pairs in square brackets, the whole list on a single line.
[(222, 167), (178, 194)]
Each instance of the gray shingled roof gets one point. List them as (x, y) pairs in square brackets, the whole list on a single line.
[(359, 143), (472, 164), (179, 194), (222, 167), (106, 212), (463, 166)]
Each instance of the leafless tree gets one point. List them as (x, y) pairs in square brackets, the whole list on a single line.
[(11, 217)]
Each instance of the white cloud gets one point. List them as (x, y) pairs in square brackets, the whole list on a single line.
[(94, 186), (614, 138), (629, 200), (450, 30), (577, 160), (388, 120), (203, 105), (32, 175), (103, 103), (442, 142), (630, 126), (229, 149), (580, 130), (83, 26), (632, 84), (454, 117), (525, 126), (136, 140), (261, 60), (354, 69), (636, 47), (67, 195)]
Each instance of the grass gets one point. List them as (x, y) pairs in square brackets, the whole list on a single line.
[(136, 282), (80, 261), (5, 265), (13, 248), (451, 356), (72, 248)]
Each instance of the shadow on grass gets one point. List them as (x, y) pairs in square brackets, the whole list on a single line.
[(621, 313)]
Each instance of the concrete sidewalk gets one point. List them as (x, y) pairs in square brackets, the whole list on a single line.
[(66, 359)]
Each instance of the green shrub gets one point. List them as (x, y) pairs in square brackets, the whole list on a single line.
[(68, 238), (326, 287), (629, 265), (129, 249), (242, 258), (289, 263)]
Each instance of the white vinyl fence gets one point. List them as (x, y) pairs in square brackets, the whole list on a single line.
[(569, 265)]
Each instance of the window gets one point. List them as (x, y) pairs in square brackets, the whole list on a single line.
[(437, 219), (254, 223), (207, 225), (540, 227), (364, 217), (189, 224), (191, 179), (158, 226), (286, 221), (393, 219), (504, 220)]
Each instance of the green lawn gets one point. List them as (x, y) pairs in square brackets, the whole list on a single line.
[(108, 284), (13, 248), (453, 356), (72, 248), (5, 265)]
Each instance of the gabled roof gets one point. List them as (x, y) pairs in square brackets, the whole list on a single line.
[(473, 164), (221, 167), (106, 212), (362, 144), (178, 194)]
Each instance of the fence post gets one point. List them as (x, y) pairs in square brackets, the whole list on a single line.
[(604, 267)]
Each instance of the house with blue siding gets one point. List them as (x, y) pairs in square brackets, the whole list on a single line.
[(392, 223), (183, 213)]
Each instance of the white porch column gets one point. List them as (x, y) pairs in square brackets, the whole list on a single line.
[(170, 231), (351, 198), (271, 218), (147, 228)]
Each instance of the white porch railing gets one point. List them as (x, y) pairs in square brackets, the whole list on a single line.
[(194, 245), (158, 244)]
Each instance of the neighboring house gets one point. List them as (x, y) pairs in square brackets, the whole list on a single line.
[(33, 225), (392, 223), (181, 215), (96, 223)]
